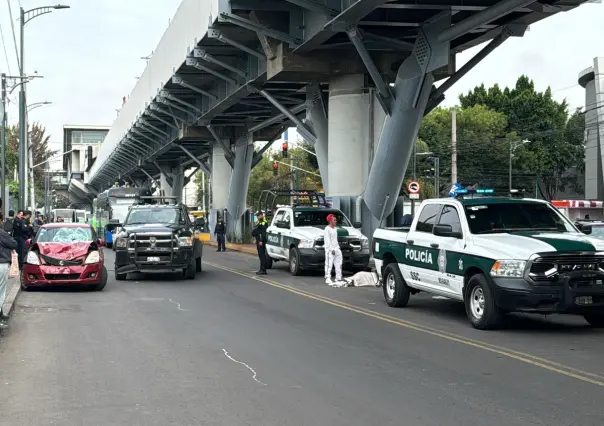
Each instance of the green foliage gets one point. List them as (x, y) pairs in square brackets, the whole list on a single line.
[(39, 147), (199, 176), (480, 146), (554, 156), (262, 177)]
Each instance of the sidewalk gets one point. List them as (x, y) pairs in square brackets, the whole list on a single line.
[(243, 248), (12, 290)]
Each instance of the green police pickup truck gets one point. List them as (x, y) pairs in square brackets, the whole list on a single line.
[(496, 255), (295, 235)]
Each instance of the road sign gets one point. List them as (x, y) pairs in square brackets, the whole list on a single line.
[(413, 187), (414, 196)]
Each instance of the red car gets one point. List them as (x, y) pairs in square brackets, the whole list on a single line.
[(64, 254)]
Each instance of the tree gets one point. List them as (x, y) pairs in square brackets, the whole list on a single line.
[(40, 150), (199, 177), (556, 141), (482, 146), (303, 174)]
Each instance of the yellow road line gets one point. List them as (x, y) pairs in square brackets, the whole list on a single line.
[(527, 358)]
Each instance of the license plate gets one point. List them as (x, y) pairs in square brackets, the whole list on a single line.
[(153, 259), (584, 300)]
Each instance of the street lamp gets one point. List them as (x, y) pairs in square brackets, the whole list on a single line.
[(25, 17), (37, 105), (46, 177)]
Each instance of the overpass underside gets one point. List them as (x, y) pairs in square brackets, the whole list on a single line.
[(354, 77)]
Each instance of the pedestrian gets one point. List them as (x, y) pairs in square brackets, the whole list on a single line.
[(333, 254), (259, 233), (7, 245), (220, 232), (29, 229), (19, 232), (8, 223)]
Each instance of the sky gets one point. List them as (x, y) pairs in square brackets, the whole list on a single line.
[(91, 54)]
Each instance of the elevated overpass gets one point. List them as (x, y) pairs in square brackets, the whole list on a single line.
[(354, 77)]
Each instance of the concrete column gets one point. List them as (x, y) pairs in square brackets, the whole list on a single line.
[(240, 179), (593, 81), (412, 89), (219, 184), (177, 175)]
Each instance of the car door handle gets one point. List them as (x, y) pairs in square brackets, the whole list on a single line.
[(434, 245), (410, 242)]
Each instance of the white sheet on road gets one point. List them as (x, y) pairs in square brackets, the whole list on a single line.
[(360, 279)]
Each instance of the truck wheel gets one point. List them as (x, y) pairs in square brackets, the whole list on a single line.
[(269, 262), (595, 320), (198, 264), (189, 271), (120, 277), (100, 286), (396, 291), (294, 262), (481, 309)]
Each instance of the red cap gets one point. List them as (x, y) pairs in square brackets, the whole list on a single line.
[(329, 217)]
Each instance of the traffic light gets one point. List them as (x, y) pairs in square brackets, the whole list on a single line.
[(284, 146), (275, 168)]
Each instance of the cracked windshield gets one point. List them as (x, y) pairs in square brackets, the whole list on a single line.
[(301, 213)]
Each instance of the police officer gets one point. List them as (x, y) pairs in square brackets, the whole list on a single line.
[(259, 233), (220, 232)]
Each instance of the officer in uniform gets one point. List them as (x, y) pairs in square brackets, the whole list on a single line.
[(259, 233)]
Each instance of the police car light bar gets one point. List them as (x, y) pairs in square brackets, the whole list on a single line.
[(462, 192)]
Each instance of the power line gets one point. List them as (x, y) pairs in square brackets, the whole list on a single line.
[(12, 25), (4, 48)]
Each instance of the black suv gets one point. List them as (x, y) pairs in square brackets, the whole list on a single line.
[(157, 238)]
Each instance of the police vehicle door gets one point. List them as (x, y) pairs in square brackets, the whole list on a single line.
[(285, 226), (421, 250), (273, 236), (450, 252)]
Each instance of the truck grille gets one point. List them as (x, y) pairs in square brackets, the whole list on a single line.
[(152, 245), (548, 267)]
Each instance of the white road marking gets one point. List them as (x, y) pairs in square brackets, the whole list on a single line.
[(178, 306), (245, 365)]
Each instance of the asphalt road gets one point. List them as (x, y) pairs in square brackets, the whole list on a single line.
[(229, 349)]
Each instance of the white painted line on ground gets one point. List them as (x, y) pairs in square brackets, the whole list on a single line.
[(178, 306), (245, 365)]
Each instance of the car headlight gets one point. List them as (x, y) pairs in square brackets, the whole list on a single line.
[(32, 258), (121, 242), (364, 242), (93, 257), (307, 244), (508, 268), (185, 241)]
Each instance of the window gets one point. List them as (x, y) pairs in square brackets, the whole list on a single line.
[(427, 219), (286, 220), (319, 217), (597, 232), (64, 235), (515, 216), (162, 216), (449, 216)]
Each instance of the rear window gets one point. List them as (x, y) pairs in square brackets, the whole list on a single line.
[(64, 235), (597, 231)]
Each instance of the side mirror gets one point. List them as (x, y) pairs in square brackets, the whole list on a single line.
[(357, 225), (586, 229), (445, 231), (28, 243)]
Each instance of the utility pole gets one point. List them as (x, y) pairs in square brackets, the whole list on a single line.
[(511, 155), (3, 146), (454, 145), (414, 173), (437, 177)]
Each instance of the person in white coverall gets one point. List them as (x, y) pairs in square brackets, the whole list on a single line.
[(333, 254)]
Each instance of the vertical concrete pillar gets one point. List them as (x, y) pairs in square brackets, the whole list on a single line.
[(176, 175), (593, 81), (219, 184), (412, 90), (240, 179)]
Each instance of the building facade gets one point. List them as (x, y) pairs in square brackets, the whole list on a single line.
[(592, 79), (81, 145)]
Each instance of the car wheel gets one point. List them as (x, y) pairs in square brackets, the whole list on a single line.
[(269, 262), (189, 271), (396, 291), (120, 277), (294, 262), (481, 309), (595, 320), (198, 264), (23, 286), (100, 286)]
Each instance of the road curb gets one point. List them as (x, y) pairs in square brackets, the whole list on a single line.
[(234, 247), (12, 291)]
